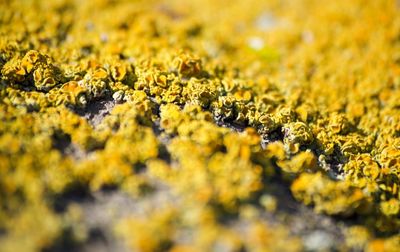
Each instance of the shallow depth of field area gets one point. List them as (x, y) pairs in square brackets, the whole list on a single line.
[(199, 125)]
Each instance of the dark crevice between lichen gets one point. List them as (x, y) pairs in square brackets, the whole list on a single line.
[(273, 136), (97, 238), (61, 141), (96, 110), (231, 124), (164, 154), (64, 243), (163, 138), (333, 163), (92, 204), (75, 193)]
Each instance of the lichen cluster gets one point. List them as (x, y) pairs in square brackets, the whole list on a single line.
[(214, 103)]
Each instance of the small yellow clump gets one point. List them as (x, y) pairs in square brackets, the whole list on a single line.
[(327, 196)]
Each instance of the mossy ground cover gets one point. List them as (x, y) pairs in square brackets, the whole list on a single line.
[(200, 125)]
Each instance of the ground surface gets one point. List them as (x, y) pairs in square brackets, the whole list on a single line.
[(199, 125)]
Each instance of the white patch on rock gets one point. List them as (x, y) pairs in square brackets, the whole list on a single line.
[(265, 22), (255, 43), (318, 241)]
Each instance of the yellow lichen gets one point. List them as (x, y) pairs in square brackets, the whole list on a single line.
[(219, 106)]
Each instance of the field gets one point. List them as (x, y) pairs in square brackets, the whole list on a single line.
[(187, 126)]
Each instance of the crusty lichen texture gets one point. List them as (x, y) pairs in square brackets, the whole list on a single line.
[(210, 103)]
